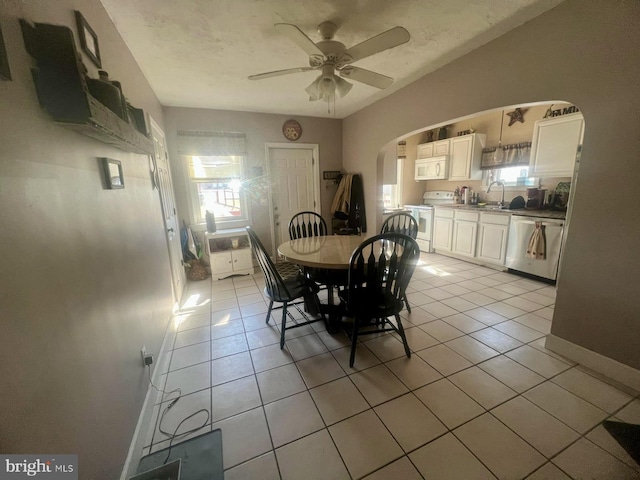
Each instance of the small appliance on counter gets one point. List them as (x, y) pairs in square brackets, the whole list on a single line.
[(560, 197), (535, 198), (517, 203)]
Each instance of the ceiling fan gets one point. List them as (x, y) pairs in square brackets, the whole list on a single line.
[(331, 56)]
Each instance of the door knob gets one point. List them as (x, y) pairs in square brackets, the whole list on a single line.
[(169, 229)]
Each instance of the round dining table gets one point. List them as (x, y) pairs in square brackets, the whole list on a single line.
[(324, 257), (328, 252)]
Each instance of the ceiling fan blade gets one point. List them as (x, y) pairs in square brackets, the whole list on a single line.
[(366, 76), (389, 39), (277, 73), (296, 35)]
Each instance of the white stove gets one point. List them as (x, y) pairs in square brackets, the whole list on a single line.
[(424, 215), (437, 197)]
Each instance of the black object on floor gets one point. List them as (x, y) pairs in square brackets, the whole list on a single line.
[(201, 457), (169, 471), (627, 435)]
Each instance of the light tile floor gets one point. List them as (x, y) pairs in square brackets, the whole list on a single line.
[(480, 397)]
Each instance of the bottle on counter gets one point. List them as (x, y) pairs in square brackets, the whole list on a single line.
[(456, 196)]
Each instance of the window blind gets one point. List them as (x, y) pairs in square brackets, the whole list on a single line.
[(201, 143)]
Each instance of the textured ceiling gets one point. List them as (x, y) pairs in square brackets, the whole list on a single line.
[(199, 53)]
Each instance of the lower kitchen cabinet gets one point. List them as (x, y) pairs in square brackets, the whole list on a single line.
[(478, 236), (465, 233), (443, 230), (492, 238)]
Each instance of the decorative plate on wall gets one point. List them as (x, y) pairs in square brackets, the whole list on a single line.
[(292, 130)]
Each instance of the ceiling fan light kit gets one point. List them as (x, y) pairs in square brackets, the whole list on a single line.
[(331, 56)]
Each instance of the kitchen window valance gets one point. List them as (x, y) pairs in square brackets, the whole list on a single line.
[(513, 155), (200, 143)]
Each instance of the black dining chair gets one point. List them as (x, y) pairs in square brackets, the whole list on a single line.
[(379, 272), (310, 224), (307, 224), (289, 291), (401, 223)]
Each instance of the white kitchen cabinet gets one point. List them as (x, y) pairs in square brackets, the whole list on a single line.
[(465, 233), (431, 168), (555, 145), (433, 149), (466, 153), (425, 150), (441, 147), (224, 259), (443, 230), (492, 238)]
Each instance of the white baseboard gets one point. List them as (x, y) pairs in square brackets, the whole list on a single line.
[(144, 420), (607, 366)]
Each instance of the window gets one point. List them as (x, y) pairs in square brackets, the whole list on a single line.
[(216, 185), (392, 193), (214, 170), (511, 176)]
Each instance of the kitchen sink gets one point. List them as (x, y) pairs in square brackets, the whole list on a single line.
[(487, 207)]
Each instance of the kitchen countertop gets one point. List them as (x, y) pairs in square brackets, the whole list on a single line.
[(396, 210), (522, 212), (409, 207)]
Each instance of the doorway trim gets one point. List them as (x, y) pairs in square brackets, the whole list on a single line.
[(178, 278), (315, 153)]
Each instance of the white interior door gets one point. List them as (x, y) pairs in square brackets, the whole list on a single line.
[(294, 174), (172, 229)]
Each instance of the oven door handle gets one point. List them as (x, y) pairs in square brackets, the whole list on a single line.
[(545, 223)]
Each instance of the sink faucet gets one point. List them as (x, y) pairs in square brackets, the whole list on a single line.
[(501, 203)]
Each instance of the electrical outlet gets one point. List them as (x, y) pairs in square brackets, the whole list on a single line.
[(143, 352)]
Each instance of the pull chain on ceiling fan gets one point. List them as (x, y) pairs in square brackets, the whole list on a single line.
[(331, 56)]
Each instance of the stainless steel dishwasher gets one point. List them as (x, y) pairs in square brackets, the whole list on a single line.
[(520, 232)]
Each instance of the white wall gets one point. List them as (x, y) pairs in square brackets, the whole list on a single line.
[(85, 278), (586, 53)]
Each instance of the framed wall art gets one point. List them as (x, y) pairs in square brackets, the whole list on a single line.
[(113, 175), (88, 39), (5, 71)]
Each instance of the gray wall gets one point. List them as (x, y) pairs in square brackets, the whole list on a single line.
[(586, 53), (85, 272), (260, 128)]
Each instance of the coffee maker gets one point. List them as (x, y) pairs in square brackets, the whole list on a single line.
[(535, 198)]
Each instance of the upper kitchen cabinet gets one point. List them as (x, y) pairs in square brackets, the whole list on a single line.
[(555, 145), (434, 149), (466, 152)]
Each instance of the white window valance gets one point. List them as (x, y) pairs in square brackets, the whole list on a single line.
[(200, 143)]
